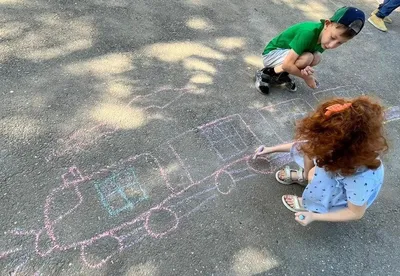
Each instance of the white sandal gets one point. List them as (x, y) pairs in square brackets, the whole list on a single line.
[(297, 206), (287, 180)]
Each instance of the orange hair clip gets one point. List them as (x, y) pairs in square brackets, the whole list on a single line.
[(335, 108)]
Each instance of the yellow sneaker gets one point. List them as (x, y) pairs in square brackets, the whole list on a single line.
[(386, 19), (377, 22)]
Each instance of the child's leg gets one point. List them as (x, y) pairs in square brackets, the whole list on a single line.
[(306, 59), (387, 7), (279, 76)]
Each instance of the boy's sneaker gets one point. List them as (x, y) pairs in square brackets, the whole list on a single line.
[(269, 73), (263, 88), (377, 22), (277, 78), (261, 83), (268, 76), (284, 78), (263, 75), (291, 86)]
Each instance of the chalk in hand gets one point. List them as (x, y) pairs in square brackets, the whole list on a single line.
[(260, 149), (302, 217)]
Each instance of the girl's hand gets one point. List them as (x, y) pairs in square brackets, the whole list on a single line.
[(304, 218), (261, 150)]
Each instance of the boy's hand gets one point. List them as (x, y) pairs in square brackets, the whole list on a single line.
[(308, 71), (310, 81)]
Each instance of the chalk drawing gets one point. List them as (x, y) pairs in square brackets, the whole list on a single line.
[(160, 99), (205, 141), (131, 188), (282, 116), (19, 267), (9, 252), (120, 192), (82, 139), (22, 265), (228, 136), (345, 91), (392, 114), (123, 188)]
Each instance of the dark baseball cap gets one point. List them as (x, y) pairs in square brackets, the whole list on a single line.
[(350, 17)]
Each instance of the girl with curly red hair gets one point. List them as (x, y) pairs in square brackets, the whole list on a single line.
[(338, 149)]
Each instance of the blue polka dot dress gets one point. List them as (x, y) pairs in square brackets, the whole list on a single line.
[(331, 191)]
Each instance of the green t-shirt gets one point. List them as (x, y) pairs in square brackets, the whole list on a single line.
[(302, 37)]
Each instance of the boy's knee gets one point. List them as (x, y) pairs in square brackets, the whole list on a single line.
[(316, 59), (304, 60), (308, 57)]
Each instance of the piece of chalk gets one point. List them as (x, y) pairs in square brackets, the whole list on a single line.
[(317, 83), (260, 149), (302, 217)]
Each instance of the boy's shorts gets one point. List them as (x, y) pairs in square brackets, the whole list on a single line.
[(275, 57)]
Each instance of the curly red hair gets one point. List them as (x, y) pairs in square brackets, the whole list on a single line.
[(345, 140)]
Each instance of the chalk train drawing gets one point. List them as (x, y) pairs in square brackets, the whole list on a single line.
[(82, 139), (147, 196)]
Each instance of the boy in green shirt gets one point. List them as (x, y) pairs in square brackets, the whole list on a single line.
[(298, 49)]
